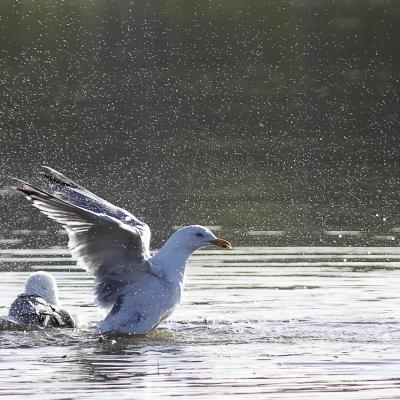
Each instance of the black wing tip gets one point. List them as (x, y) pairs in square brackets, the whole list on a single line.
[(21, 184), (28, 189), (53, 176), (53, 180), (27, 192), (57, 178)]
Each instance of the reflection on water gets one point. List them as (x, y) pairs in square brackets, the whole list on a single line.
[(254, 322)]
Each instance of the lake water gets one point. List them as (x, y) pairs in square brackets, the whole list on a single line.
[(255, 322)]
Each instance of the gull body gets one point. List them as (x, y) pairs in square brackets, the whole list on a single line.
[(136, 290), (156, 291)]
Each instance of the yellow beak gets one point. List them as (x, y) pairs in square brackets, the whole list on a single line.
[(221, 243)]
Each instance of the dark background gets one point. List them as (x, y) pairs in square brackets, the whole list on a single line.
[(249, 115)]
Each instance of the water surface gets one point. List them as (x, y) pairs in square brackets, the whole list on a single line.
[(257, 323)]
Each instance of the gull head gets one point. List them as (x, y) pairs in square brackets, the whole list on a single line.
[(44, 285), (195, 237)]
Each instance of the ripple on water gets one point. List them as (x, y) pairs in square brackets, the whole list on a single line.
[(262, 323)]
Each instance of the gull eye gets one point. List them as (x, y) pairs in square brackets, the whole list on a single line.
[(198, 234)]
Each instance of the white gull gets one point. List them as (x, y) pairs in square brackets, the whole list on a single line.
[(137, 290)]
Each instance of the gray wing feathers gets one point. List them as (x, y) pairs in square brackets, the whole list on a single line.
[(112, 250), (73, 193), (70, 191)]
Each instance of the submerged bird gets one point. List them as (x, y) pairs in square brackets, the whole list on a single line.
[(136, 290), (38, 306)]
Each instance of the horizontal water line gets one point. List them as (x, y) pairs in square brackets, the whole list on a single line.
[(233, 257), (381, 264), (258, 264), (246, 253), (323, 251)]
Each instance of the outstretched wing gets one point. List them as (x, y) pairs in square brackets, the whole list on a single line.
[(101, 243), (70, 191)]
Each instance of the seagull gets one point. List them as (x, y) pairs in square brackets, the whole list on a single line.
[(136, 290), (38, 306)]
